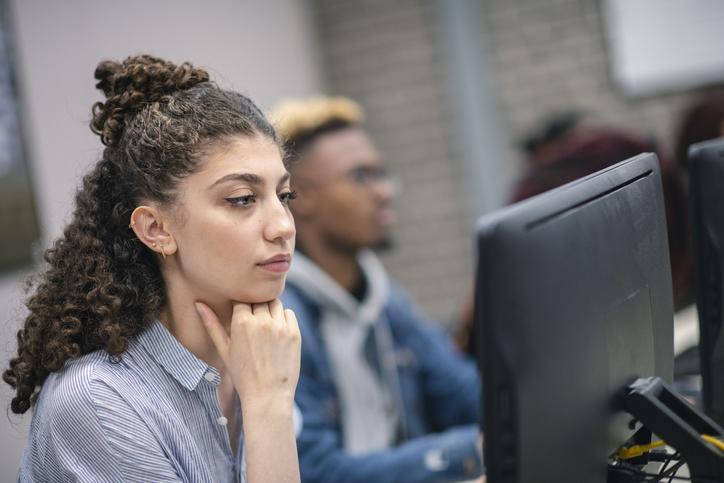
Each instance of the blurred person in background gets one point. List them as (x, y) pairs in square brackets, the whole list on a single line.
[(702, 120), (155, 328), (582, 148), (567, 146), (385, 396)]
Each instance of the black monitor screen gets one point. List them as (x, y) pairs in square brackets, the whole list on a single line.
[(706, 167), (573, 303)]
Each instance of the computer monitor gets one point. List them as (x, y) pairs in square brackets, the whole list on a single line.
[(573, 303), (706, 169)]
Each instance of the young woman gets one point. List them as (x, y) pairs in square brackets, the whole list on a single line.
[(155, 348)]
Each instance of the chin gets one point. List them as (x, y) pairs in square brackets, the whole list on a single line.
[(263, 292), (384, 244)]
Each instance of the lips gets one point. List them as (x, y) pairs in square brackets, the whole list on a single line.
[(277, 264), (385, 216)]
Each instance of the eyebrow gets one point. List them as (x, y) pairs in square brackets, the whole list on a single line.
[(250, 178)]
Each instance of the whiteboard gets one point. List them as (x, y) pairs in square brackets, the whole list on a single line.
[(664, 45)]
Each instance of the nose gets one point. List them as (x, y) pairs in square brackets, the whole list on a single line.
[(385, 188), (279, 223)]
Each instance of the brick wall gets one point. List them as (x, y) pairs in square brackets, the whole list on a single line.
[(544, 56), (551, 55), (386, 55)]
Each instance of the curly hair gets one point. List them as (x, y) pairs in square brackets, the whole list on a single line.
[(101, 285)]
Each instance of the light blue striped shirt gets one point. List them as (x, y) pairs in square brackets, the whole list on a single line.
[(153, 416)]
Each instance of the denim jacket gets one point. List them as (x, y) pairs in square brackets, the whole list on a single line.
[(440, 395)]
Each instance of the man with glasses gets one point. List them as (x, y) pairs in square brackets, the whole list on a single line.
[(384, 396)]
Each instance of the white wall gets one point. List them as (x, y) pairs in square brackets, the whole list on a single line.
[(693, 58), (262, 48)]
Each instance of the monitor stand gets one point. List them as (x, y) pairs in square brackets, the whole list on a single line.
[(666, 414)]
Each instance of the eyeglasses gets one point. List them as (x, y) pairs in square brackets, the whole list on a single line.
[(366, 177)]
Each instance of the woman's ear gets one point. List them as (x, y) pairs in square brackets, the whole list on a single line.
[(151, 227)]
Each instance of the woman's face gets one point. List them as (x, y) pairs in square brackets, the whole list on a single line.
[(233, 228)]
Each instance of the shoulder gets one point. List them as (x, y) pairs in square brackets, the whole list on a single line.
[(402, 311), (81, 420), (71, 396), (73, 382), (65, 424)]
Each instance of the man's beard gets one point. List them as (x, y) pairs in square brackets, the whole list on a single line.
[(385, 245)]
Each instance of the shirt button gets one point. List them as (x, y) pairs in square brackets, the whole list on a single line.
[(222, 420), (209, 376)]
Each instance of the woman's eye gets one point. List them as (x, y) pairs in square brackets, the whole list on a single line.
[(287, 196), (245, 200)]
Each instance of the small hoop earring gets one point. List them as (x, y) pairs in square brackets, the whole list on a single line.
[(163, 252)]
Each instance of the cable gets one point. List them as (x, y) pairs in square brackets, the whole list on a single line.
[(666, 463), (635, 451), (662, 456), (628, 470), (675, 469), (638, 450), (627, 453), (666, 475), (718, 443)]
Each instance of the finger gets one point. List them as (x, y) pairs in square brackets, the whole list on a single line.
[(214, 328), (291, 318), (260, 309), (241, 313), (293, 328), (242, 310), (276, 309)]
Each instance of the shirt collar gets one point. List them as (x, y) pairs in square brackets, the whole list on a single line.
[(177, 360)]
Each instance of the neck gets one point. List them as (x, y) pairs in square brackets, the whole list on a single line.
[(179, 316), (338, 262)]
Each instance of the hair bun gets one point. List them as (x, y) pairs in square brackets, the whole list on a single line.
[(133, 84)]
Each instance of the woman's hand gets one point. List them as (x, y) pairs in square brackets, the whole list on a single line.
[(261, 350)]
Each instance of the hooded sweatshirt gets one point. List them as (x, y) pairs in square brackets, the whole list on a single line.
[(351, 328)]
